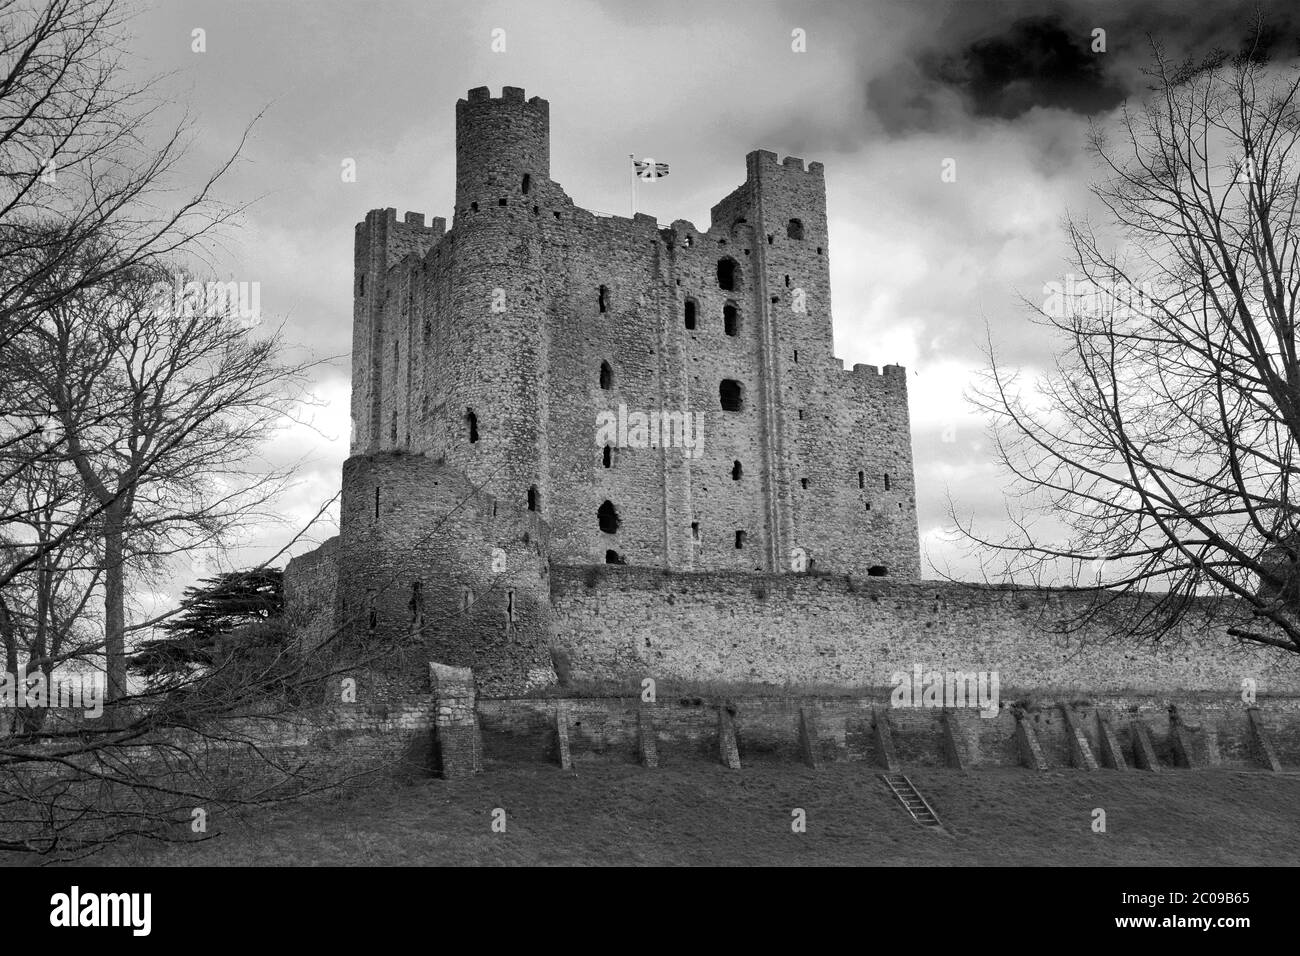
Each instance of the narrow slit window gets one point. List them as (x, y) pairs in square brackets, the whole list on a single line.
[(527, 184), (376, 502), (603, 298), (730, 319), (606, 376), (533, 499), (886, 481), (472, 421), (740, 540), (690, 314), (607, 457), (862, 480), (736, 471)]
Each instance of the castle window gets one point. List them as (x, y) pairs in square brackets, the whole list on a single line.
[(730, 318), (466, 599), (607, 518), (376, 502), (527, 183), (690, 314), (604, 298), (819, 250), (606, 376), (501, 201), (796, 355), (728, 274), (775, 299), (613, 557), (740, 540), (690, 240), (472, 420), (557, 214), (868, 505), (536, 210), (862, 479), (533, 498), (607, 457), (769, 238), (363, 284), (803, 483), (794, 229), (877, 571), (510, 607), (732, 395), (392, 429), (886, 481), (801, 414), (416, 605), (736, 471), (695, 531), (473, 206), (787, 281)]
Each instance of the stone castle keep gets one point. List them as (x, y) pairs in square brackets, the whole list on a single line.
[(765, 530)]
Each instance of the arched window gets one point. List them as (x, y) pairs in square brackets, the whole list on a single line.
[(794, 229), (736, 471), (607, 518), (728, 274), (732, 395), (690, 314), (613, 557), (606, 376), (730, 318)]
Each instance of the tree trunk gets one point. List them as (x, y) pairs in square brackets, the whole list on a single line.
[(114, 606)]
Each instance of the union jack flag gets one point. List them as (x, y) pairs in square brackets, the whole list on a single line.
[(648, 169)]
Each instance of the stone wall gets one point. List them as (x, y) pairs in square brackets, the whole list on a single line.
[(621, 623)]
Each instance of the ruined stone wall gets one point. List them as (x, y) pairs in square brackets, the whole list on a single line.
[(311, 593), (433, 568), (616, 623)]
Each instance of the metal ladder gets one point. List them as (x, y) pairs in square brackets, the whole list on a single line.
[(912, 801)]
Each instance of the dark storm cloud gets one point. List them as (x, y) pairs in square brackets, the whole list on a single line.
[(1036, 62), (1004, 59)]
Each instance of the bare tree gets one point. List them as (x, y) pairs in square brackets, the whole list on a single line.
[(1158, 455), (162, 403)]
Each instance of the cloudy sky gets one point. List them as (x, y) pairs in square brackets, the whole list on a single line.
[(922, 270)]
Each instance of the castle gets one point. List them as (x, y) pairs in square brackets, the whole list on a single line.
[(633, 444)]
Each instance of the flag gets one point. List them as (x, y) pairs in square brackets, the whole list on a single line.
[(648, 169)]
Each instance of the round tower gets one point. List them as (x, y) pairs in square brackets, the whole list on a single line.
[(499, 142), (495, 357)]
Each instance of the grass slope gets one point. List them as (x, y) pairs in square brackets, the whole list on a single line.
[(701, 814)]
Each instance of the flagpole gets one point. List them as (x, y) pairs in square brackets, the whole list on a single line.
[(632, 157)]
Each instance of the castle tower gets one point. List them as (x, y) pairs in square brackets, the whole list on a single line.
[(495, 359)]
